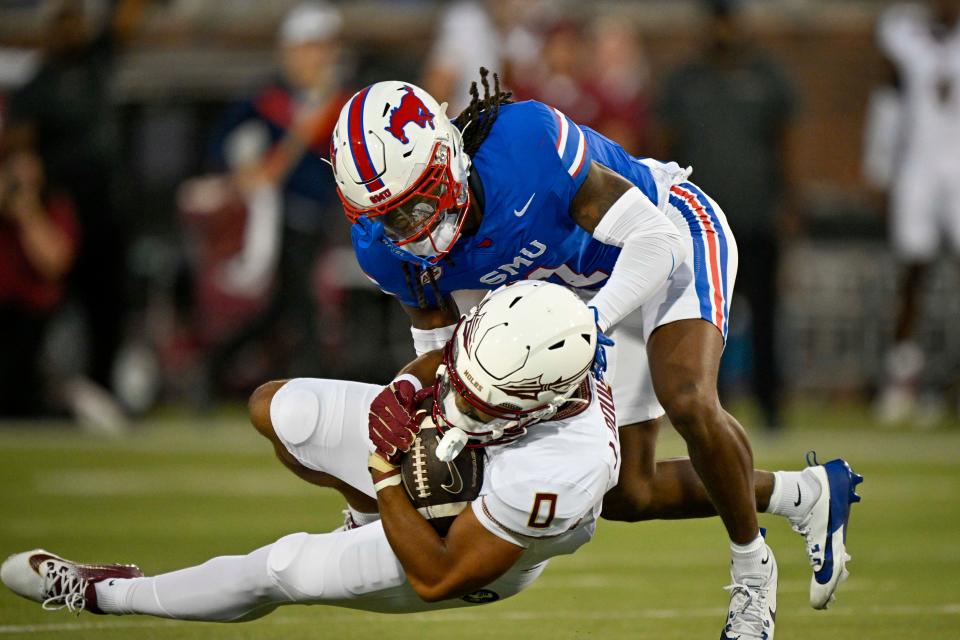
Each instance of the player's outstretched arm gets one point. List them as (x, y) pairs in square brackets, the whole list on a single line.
[(617, 213), (469, 558)]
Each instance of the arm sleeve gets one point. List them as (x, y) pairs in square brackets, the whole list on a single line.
[(652, 248), (425, 340), (521, 515)]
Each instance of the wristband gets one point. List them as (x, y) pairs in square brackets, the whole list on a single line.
[(412, 379), (425, 340), (389, 481)]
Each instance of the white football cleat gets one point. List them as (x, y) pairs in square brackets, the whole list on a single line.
[(56, 583), (753, 607), (824, 528)]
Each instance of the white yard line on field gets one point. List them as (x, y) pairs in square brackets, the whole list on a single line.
[(473, 615)]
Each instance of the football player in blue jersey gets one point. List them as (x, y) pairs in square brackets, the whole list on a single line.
[(506, 191)]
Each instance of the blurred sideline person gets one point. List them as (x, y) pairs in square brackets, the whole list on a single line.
[(537, 501), (604, 91), (65, 115), (619, 82), (480, 33), (38, 241), (913, 132), (733, 100), (560, 76), (509, 191), (273, 145)]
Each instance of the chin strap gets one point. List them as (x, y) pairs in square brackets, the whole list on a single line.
[(406, 256), (600, 357), (371, 232)]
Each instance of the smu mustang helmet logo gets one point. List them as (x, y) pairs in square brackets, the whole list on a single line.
[(411, 109)]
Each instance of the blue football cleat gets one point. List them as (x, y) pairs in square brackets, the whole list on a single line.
[(824, 528)]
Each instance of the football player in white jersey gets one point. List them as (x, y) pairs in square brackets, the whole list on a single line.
[(540, 498), (912, 136)]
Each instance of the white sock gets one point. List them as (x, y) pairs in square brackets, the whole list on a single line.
[(361, 518), (751, 562), (794, 493), (223, 589), (111, 594)]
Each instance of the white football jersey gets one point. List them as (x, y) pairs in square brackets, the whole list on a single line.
[(544, 492), (929, 70)]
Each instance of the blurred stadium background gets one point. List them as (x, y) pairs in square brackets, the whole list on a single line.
[(190, 246)]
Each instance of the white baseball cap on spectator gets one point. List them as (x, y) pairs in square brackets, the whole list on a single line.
[(310, 22)]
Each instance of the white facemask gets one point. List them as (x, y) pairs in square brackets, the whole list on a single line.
[(438, 240)]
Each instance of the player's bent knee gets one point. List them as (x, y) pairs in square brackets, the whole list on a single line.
[(334, 566), (693, 410), (627, 502), (286, 569), (294, 413)]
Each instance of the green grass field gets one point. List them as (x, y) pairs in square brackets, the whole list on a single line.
[(176, 492)]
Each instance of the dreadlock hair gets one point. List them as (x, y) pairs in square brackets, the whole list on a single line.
[(413, 275), (477, 119), (475, 123)]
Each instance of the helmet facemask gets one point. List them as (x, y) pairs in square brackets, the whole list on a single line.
[(467, 420), (425, 220)]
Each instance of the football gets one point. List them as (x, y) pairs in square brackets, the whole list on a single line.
[(440, 490)]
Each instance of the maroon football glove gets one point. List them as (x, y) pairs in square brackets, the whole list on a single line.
[(392, 420)]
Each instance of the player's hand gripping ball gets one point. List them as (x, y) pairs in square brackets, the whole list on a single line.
[(440, 490), (392, 422)]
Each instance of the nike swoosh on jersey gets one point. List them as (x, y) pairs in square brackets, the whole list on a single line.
[(519, 212), (797, 503)]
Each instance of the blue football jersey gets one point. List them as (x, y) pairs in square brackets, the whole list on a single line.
[(531, 165)]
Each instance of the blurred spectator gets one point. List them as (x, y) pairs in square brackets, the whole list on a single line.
[(38, 239), (727, 114), (560, 76), (472, 34), (618, 82), (64, 113), (913, 133), (605, 91), (273, 147)]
